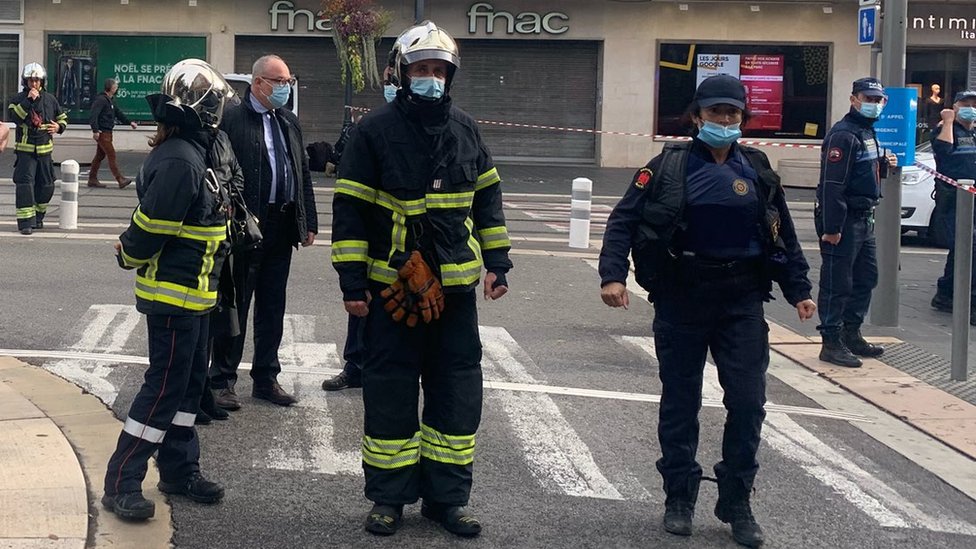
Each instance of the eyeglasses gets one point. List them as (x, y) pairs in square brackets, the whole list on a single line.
[(280, 81)]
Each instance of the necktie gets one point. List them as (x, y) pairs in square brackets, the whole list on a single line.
[(282, 194)]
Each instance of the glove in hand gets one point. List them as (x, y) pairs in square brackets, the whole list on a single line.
[(400, 304), (415, 293)]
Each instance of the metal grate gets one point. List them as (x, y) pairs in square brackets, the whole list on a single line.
[(929, 368)]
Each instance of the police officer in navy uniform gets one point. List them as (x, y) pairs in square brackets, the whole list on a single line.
[(708, 228), (954, 145), (417, 216), (852, 165), (177, 241)]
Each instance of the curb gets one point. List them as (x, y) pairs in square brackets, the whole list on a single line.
[(64, 472)]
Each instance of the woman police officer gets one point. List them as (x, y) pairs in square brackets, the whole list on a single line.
[(176, 240), (709, 229)]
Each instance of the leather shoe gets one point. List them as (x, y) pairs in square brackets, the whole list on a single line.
[(273, 393), (194, 487), (454, 518), (341, 381), (203, 418), (227, 399), (96, 184), (129, 506), (124, 183)]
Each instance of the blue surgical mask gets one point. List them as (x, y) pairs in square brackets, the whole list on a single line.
[(871, 110), (429, 87), (967, 114), (279, 95), (717, 135), (389, 92)]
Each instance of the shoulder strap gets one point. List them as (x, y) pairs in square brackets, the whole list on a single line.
[(769, 178)]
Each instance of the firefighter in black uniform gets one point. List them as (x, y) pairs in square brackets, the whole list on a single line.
[(852, 165), (177, 241), (954, 145), (418, 206), (38, 117), (708, 228)]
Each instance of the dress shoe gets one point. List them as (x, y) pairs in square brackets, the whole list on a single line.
[(194, 487), (384, 520), (454, 518), (203, 418), (342, 381), (96, 184), (124, 183), (227, 399), (27, 231), (129, 506), (273, 393)]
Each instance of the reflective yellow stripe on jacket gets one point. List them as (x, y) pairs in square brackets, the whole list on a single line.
[(175, 294)]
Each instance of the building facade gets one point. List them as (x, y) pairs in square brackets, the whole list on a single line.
[(625, 68)]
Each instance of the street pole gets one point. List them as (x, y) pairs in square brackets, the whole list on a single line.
[(961, 282), (418, 11), (884, 305)]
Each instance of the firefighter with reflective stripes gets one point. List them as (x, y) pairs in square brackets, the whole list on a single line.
[(417, 215), (176, 240), (38, 117)]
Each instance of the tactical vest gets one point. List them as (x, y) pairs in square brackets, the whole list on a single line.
[(663, 214)]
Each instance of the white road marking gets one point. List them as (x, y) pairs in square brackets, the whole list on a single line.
[(300, 354), (872, 496), (555, 454)]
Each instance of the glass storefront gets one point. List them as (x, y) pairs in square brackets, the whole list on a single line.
[(937, 74)]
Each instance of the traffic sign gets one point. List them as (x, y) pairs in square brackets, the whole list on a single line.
[(867, 25), (895, 127)]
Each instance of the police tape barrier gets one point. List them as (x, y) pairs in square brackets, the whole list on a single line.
[(579, 217), (754, 143), (962, 281), (944, 178), (68, 212)]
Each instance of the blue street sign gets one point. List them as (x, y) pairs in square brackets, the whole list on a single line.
[(867, 25), (896, 125)]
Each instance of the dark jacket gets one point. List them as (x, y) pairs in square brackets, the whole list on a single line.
[(852, 165), (417, 178), (652, 209), (177, 237), (957, 159), (28, 114), (245, 128), (104, 113)]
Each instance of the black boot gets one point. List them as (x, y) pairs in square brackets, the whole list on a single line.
[(679, 506), (454, 518), (942, 302), (194, 487), (835, 352), (857, 345), (129, 506), (203, 418), (733, 508), (384, 520)]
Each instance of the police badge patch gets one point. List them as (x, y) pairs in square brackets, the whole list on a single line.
[(643, 178), (740, 187), (835, 154)]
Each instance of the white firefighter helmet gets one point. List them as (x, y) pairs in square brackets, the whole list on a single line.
[(422, 42), (33, 70), (194, 85)]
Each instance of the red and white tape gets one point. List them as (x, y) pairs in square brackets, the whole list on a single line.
[(944, 178), (626, 134)]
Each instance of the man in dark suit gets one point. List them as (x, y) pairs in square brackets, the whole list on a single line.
[(267, 140)]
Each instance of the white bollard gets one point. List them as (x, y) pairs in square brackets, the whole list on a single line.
[(69, 195), (579, 216)]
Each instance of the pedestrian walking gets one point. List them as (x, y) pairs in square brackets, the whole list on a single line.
[(176, 240), (417, 215), (267, 139), (954, 147), (852, 165), (38, 117), (104, 113), (707, 225)]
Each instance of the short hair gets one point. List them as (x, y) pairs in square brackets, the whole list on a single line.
[(109, 82), (262, 62)]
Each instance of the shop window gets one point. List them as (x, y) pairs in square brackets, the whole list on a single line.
[(9, 65), (788, 85)]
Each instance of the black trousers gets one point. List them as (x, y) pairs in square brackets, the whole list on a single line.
[(730, 325), (34, 187), (262, 275), (163, 413), (405, 459), (945, 196), (354, 352), (848, 274)]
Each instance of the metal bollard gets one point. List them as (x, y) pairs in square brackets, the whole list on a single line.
[(961, 284), (579, 216), (69, 195)]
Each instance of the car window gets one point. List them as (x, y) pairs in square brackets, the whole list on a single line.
[(924, 146)]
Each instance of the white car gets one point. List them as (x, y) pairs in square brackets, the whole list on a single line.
[(918, 211)]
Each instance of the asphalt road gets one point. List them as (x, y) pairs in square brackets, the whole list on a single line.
[(553, 469)]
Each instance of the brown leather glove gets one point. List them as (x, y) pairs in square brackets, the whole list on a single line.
[(400, 304), (423, 286)]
